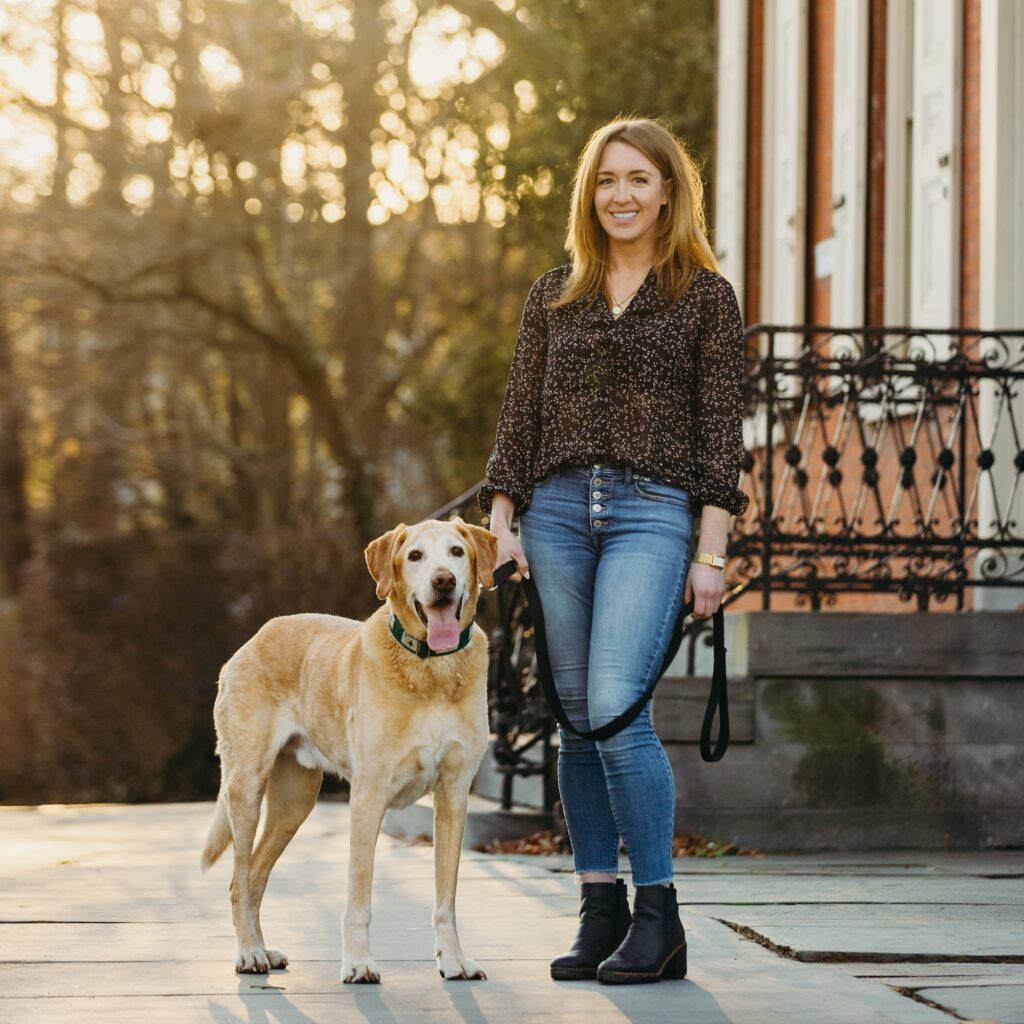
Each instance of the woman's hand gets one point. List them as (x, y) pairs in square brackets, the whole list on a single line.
[(705, 586), (509, 548)]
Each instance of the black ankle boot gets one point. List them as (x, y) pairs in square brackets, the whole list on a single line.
[(655, 947), (604, 921)]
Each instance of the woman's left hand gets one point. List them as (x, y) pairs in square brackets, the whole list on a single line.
[(705, 586)]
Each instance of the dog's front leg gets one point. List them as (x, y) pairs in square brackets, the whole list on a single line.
[(450, 804), (367, 807)]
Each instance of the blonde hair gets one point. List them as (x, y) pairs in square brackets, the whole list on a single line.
[(680, 245)]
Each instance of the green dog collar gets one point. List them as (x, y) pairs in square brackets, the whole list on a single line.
[(420, 647)]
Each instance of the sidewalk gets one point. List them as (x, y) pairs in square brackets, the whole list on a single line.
[(105, 917)]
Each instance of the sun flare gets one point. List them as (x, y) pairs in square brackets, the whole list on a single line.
[(445, 51)]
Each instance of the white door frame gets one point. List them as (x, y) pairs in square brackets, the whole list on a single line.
[(935, 164), (1001, 249)]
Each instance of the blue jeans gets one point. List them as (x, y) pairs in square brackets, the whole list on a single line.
[(609, 552)]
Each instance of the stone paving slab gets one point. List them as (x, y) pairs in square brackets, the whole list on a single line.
[(1004, 1004), (907, 931), (884, 891), (998, 864), (104, 917)]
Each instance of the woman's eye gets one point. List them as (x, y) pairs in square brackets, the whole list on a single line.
[(414, 555)]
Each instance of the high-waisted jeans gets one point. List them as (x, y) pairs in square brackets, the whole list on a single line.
[(609, 552)]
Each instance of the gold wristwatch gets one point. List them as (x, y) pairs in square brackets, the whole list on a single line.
[(706, 558)]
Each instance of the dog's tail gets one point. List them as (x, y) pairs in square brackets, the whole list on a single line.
[(217, 838)]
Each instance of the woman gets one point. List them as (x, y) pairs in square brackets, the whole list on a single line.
[(621, 427)]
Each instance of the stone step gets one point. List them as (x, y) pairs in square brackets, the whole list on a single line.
[(680, 701)]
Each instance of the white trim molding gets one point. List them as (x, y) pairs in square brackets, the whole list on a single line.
[(849, 162), (731, 143), (898, 121), (784, 197), (935, 164)]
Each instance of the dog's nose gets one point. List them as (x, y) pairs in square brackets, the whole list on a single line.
[(443, 580)]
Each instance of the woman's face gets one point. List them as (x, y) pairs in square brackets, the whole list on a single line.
[(629, 194)]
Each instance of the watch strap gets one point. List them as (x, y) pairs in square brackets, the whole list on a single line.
[(707, 558)]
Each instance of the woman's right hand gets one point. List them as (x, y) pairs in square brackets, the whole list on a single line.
[(509, 549)]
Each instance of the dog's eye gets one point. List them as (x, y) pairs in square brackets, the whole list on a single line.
[(414, 555), (457, 551)]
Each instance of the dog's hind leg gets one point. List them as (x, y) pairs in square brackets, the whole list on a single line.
[(243, 794), (367, 806), (291, 793), (450, 807)]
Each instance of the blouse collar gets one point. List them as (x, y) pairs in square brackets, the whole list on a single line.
[(646, 302)]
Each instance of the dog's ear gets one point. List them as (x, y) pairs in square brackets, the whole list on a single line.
[(485, 544), (380, 559)]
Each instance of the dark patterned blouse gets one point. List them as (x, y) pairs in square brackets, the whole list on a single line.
[(659, 388)]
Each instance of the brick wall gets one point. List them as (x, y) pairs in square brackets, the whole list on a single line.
[(755, 122), (874, 306), (971, 109), (821, 37)]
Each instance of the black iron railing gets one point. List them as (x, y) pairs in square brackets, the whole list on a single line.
[(882, 460), (878, 460)]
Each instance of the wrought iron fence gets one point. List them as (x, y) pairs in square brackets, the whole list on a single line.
[(882, 460), (878, 460)]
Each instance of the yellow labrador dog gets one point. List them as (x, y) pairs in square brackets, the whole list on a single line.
[(397, 704)]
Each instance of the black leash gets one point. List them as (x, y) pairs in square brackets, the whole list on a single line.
[(718, 699)]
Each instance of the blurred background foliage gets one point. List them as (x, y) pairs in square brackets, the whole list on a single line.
[(262, 264)]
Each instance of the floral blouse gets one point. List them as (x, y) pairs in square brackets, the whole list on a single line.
[(659, 388)]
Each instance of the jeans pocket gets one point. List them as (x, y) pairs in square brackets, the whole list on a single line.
[(655, 489)]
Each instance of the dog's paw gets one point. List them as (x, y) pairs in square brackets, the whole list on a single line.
[(360, 972), (454, 968), (252, 961), (278, 961)]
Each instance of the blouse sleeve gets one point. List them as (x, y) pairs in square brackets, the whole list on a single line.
[(720, 402), (510, 467)]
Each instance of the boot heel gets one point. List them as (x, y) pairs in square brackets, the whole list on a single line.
[(676, 967)]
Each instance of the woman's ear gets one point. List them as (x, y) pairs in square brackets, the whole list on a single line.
[(485, 544), (380, 559)]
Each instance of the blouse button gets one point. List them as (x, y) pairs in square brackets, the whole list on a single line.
[(596, 507), (597, 481)]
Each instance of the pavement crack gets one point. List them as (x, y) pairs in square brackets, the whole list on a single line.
[(762, 940), (912, 993), (828, 956)]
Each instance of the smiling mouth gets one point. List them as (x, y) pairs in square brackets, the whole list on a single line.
[(625, 216), (445, 604)]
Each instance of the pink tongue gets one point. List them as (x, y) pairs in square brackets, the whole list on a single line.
[(442, 628)]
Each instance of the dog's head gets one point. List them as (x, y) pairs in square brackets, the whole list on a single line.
[(431, 573)]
